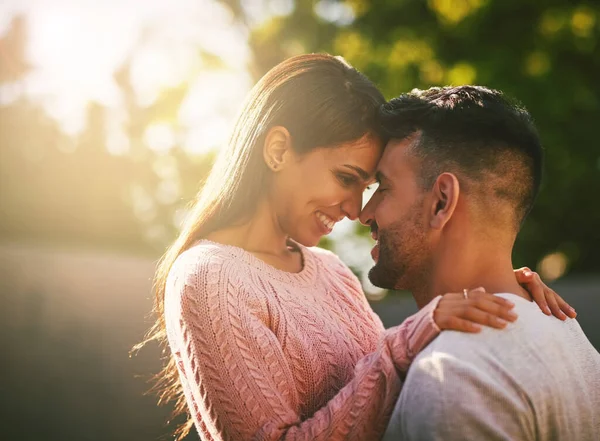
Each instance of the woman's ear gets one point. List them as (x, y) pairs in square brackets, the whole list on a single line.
[(277, 148), (446, 191)]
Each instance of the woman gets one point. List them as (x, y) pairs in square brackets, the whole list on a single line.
[(270, 339)]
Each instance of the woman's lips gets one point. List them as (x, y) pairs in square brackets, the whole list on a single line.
[(321, 225), (325, 222)]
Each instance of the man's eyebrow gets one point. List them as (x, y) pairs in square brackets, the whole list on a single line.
[(362, 173)]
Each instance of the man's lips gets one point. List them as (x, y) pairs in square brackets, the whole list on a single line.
[(374, 230), (375, 252), (375, 237)]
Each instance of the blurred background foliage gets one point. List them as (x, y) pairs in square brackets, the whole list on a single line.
[(111, 114), (79, 189)]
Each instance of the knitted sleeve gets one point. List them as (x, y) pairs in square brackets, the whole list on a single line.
[(237, 381)]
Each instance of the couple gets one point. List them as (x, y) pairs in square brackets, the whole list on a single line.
[(272, 339)]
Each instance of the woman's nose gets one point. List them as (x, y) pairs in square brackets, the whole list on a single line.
[(352, 206), (366, 215)]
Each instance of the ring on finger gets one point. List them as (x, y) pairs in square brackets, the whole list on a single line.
[(465, 293)]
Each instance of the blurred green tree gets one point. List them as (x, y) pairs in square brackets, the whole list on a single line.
[(54, 187)]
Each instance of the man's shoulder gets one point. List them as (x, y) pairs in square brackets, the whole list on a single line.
[(459, 355), (525, 350), (519, 334), (464, 375), (455, 384), (468, 378)]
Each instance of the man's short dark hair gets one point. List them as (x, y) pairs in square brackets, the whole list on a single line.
[(477, 133)]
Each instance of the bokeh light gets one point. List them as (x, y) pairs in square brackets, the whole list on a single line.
[(553, 266)]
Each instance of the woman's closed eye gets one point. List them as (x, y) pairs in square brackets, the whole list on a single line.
[(347, 180)]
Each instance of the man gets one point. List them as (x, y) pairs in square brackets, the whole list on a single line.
[(456, 181)]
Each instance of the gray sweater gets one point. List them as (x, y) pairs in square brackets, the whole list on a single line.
[(538, 379)]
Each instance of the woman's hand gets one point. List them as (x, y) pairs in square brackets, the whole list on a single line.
[(460, 312), (548, 301)]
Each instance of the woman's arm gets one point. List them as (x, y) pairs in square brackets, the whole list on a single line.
[(239, 384)]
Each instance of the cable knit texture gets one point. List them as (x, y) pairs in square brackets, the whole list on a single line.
[(264, 354)]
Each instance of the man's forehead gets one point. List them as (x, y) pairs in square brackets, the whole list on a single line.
[(395, 155)]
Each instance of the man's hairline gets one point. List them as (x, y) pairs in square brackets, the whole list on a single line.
[(415, 136)]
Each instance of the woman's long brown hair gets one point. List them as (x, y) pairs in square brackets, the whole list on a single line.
[(322, 101)]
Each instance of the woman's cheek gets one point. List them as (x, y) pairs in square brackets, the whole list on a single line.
[(323, 193)]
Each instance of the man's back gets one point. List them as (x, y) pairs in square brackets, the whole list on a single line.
[(539, 379)]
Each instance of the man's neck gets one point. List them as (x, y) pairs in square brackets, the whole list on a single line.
[(470, 268)]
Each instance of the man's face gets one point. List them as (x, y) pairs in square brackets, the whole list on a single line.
[(397, 215)]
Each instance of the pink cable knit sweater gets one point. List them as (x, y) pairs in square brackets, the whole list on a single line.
[(264, 354)]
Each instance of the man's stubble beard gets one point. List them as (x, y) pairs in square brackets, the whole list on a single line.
[(404, 257), (389, 269)]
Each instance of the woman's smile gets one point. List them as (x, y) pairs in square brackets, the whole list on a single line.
[(325, 222)]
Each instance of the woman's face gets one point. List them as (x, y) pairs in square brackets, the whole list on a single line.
[(314, 191)]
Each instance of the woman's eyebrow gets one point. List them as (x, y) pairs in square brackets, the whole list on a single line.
[(362, 173)]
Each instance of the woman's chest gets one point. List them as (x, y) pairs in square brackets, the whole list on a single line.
[(323, 336)]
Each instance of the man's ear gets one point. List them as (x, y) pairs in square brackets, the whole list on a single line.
[(446, 191), (277, 149)]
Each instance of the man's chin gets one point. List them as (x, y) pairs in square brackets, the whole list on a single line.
[(381, 277)]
